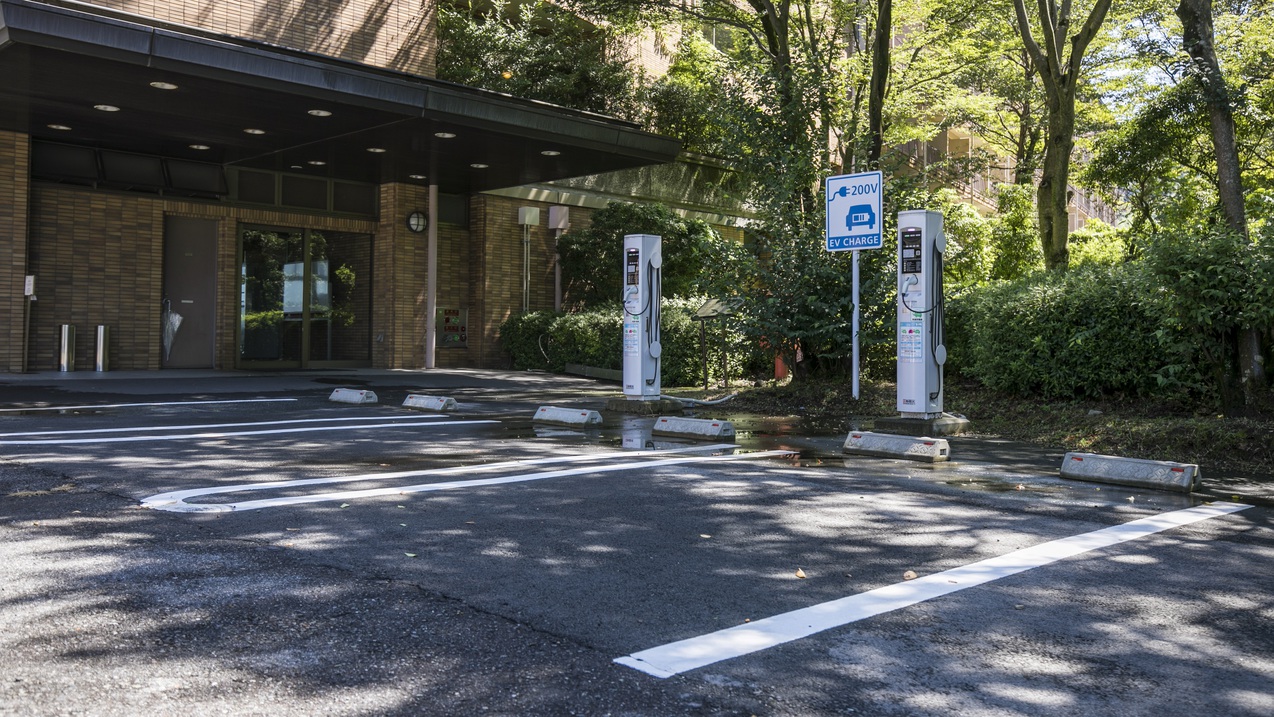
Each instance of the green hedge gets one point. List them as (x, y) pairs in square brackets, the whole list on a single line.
[(1092, 331), (548, 341)]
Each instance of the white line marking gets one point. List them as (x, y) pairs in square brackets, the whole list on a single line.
[(232, 434), (139, 429), (134, 405), (677, 657), (175, 500)]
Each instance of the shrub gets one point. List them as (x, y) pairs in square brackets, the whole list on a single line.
[(548, 341), (1092, 331)]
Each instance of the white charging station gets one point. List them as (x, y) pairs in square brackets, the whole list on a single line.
[(642, 288), (921, 345)]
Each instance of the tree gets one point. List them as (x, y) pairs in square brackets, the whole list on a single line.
[(1197, 40), (591, 257), (1060, 72), (535, 50)]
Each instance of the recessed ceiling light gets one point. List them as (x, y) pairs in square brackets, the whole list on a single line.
[(550, 153), (376, 150), (316, 162), (106, 108), (479, 165), (254, 130), (416, 176), (200, 147), (445, 135), (60, 127), (320, 113), (163, 85)]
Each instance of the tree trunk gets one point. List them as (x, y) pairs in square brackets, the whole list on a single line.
[(1061, 76), (879, 81), (1197, 39), (1052, 197)]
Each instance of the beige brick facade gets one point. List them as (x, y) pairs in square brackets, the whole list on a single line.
[(15, 155), (98, 257), (395, 34)]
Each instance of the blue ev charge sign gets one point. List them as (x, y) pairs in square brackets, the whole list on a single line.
[(853, 212)]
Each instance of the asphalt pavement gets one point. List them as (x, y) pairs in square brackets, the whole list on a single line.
[(236, 543)]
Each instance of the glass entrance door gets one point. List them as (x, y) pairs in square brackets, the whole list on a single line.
[(305, 298)]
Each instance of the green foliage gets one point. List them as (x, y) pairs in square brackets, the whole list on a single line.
[(1014, 237), (1216, 286), (968, 257), (535, 50), (687, 101), (592, 258), (1093, 331), (1097, 243), (548, 341)]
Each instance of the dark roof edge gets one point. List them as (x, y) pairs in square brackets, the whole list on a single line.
[(99, 32)]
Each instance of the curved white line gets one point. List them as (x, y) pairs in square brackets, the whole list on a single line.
[(175, 500)]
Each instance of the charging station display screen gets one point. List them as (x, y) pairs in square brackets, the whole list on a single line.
[(632, 262), (911, 251)]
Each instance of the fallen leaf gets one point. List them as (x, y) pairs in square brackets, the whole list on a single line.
[(800, 573), (910, 575)]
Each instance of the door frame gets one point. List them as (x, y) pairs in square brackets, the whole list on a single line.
[(304, 362)]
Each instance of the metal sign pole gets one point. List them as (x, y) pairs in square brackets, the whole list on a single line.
[(855, 324)]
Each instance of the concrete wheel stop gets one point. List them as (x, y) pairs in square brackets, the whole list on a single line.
[(944, 425)]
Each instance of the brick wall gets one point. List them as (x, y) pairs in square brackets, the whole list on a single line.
[(401, 271), (99, 256), (98, 259), (397, 34), (15, 154), (496, 271)]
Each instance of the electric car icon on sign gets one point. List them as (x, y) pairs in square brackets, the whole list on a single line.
[(860, 215)]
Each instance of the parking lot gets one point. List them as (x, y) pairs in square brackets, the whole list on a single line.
[(239, 544)]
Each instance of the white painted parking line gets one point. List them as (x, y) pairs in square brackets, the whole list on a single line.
[(142, 429), (677, 657), (234, 434), (135, 405), (175, 501)]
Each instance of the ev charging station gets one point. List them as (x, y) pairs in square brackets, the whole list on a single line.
[(921, 344), (643, 281)]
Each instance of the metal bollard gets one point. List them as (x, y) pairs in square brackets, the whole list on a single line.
[(66, 357), (103, 344)]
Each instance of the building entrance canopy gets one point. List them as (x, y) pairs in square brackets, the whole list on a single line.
[(116, 82)]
